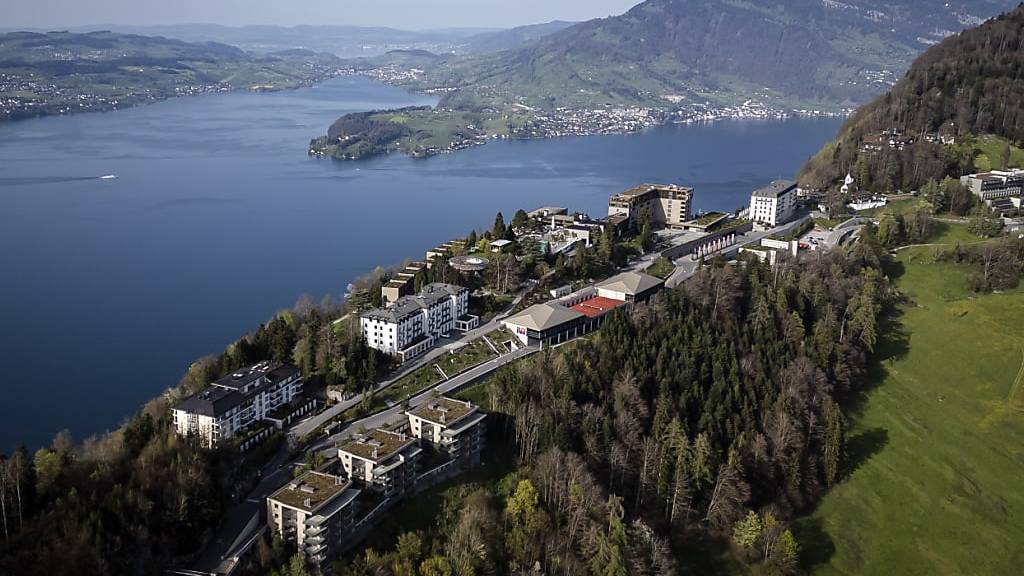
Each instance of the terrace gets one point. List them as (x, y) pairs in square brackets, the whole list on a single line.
[(597, 306), (309, 491), (377, 445)]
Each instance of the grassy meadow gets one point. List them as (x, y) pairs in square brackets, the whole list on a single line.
[(935, 483)]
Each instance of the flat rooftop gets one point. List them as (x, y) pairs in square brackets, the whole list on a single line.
[(377, 445), (775, 189), (311, 490), (648, 188), (547, 211), (443, 410), (597, 306)]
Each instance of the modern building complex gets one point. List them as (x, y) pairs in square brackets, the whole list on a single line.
[(666, 205), (314, 513), (995, 184), (630, 287), (412, 324), (552, 323), (382, 460), (237, 401), (774, 204), (452, 426)]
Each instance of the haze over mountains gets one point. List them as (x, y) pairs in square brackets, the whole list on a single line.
[(343, 41), (793, 52)]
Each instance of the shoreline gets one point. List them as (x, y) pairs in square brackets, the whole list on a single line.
[(615, 122)]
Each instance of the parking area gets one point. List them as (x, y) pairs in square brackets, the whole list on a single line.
[(814, 238)]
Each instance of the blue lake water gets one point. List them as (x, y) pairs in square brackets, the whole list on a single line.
[(217, 218)]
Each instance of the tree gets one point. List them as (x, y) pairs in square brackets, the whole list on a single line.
[(526, 521), (959, 197), (729, 495), (520, 219), (5, 483), (498, 230), (607, 550), (890, 229), (436, 566), (747, 531), (984, 222), (932, 193), (834, 440), (1004, 156), (49, 465)]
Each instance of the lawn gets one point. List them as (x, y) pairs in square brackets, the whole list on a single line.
[(661, 268), (990, 151), (474, 353), (936, 447)]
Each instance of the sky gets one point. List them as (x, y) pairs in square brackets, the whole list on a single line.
[(407, 14)]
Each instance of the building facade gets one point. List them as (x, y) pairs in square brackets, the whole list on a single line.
[(314, 513), (411, 325), (237, 401), (666, 205), (995, 184), (774, 204), (384, 461), (452, 426)]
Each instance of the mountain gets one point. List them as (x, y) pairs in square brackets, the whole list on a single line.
[(65, 72), (791, 53), (342, 41), (512, 38), (969, 86)]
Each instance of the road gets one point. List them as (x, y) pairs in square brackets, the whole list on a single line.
[(394, 413), (688, 266), (242, 520), (310, 424)]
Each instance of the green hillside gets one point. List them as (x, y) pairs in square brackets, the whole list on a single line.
[(63, 72), (938, 444), (790, 53)]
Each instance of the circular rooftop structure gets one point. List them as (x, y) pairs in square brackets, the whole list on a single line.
[(469, 263)]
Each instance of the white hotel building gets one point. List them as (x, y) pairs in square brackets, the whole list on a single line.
[(411, 325), (236, 401), (774, 204)]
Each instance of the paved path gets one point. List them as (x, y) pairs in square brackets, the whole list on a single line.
[(393, 414), (239, 524), (310, 424)]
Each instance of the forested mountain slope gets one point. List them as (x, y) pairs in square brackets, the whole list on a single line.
[(796, 51), (969, 84)]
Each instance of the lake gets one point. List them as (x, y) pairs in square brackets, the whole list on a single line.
[(218, 218)]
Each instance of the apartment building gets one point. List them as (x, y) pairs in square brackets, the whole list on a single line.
[(452, 426), (382, 460), (314, 513), (236, 401), (410, 326), (774, 204), (668, 206), (995, 184)]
